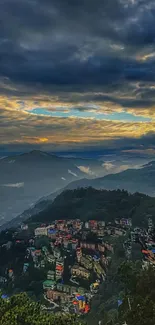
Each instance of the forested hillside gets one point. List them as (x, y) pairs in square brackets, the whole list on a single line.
[(89, 203), (20, 310)]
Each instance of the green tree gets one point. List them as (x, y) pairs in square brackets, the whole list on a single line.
[(20, 310)]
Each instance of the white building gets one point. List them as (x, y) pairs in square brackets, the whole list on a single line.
[(87, 225), (41, 231)]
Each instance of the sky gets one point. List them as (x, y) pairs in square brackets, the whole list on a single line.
[(77, 75)]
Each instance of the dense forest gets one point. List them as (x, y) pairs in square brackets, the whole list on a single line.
[(138, 305), (134, 289), (89, 203)]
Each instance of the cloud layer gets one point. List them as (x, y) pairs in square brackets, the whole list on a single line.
[(77, 74)]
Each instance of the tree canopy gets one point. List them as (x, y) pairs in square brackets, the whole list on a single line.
[(21, 310), (139, 301), (90, 203)]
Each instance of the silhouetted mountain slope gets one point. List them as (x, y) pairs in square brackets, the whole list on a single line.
[(27, 177), (90, 203)]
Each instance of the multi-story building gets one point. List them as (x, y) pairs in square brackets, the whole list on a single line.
[(51, 233), (87, 225), (80, 272), (150, 225), (87, 245), (99, 270), (55, 295), (59, 268), (78, 254), (51, 275), (57, 253), (86, 262), (40, 231), (51, 259)]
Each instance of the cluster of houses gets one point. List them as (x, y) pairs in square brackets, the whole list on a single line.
[(88, 264), (59, 228), (75, 255), (146, 239)]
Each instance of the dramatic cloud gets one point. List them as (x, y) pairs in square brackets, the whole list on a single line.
[(77, 74), (86, 170), (108, 165)]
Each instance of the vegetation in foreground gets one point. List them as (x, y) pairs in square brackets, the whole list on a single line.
[(21, 310), (137, 295)]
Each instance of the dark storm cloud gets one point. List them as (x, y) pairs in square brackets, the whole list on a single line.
[(76, 54), (67, 42)]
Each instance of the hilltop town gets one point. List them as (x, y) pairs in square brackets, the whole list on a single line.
[(73, 258)]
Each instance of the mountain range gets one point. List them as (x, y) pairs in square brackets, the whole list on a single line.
[(133, 180), (30, 181), (27, 177)]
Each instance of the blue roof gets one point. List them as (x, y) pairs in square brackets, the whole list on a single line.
[(80, 298), (4, 296), (119, 302), (51, 231)]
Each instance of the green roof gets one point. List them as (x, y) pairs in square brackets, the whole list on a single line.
[(49, 283)]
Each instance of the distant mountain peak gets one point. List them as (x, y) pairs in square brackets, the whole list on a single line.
[(38, 152)]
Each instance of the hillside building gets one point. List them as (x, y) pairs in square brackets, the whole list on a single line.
[(79, 271)]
